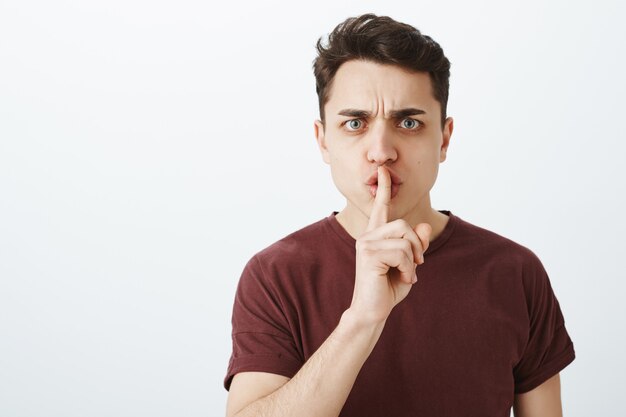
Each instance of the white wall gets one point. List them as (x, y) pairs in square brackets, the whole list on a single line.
[(148, 149)]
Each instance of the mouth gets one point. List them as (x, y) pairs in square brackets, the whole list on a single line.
[(372, 183), (395, 188)]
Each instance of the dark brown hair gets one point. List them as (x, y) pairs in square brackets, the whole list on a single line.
[(382, 40)]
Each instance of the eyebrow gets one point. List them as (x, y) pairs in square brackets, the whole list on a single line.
[(395, 114)]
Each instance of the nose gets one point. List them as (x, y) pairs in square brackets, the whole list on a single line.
[(381, 148)]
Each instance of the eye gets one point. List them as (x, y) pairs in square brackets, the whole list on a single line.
[(353, 124), (410, 124)]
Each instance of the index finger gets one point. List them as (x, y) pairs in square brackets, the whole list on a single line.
[(380, 209)]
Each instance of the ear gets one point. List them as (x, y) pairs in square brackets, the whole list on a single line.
[(447, 132), (321, 140)]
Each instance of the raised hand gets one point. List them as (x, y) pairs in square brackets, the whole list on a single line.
[(387, 255)]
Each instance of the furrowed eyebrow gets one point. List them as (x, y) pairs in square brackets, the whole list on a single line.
[(402, 113), (395, 114)]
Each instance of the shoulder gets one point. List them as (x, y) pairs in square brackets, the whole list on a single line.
[(295, 250), (481, 240), (300, 242)]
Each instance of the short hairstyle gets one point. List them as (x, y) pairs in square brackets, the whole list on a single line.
[(382, 40)]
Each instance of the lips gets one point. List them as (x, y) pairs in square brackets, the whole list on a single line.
[(372, 182), (394, 189)]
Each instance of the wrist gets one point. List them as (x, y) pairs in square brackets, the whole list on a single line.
[(354, 324)]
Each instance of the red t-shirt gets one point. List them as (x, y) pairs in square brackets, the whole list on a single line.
[(481, 324)]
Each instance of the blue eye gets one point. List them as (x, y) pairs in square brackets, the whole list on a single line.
[(354, 124), (413, 124)]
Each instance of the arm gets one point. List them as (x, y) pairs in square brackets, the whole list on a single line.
[(322, 385), (386, 259), (543, 401)]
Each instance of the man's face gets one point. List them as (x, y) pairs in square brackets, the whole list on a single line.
[(399, 126)]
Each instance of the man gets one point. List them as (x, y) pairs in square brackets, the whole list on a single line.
[(331, 320)]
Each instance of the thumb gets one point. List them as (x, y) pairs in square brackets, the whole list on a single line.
[(423, 231)]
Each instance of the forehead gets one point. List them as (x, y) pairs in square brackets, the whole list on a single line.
[(367, 85)]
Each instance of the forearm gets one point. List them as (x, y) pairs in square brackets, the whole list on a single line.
[(322, 385)]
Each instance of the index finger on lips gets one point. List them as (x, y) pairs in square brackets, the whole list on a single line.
[(380, 209)]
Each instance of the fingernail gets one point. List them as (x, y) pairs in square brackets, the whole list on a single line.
[(414, 278)]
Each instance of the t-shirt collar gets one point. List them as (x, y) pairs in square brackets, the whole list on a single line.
[(434, 245)]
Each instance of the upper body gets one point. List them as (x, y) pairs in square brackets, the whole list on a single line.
[(481, 325), (383, 90)]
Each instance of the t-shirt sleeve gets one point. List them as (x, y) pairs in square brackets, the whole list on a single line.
[(261, 336), (549, 348)]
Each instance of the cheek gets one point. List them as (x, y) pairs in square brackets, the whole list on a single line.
[(345, 173), (425, 166), (428, 169), (428, 158)]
